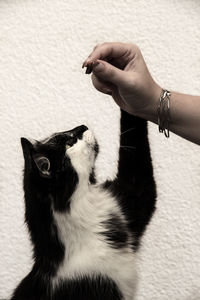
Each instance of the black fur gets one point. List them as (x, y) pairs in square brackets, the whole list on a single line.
[(133, 188), (116, 232), (36, 287)]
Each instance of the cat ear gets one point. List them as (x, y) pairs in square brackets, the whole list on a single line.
[(43, 165), (27, 147)]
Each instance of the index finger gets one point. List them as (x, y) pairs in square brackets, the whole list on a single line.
[(107, 51)]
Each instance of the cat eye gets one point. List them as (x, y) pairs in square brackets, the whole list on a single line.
[(70, 142)]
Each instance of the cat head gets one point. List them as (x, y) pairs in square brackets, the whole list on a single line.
[(58, 164)]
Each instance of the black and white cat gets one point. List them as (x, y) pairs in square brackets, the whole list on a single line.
[(84, 235)]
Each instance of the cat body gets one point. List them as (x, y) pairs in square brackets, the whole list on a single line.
[(86, 235), (90, 252)]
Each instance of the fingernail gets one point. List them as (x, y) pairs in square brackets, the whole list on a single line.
[(85, 63), (98, 66)]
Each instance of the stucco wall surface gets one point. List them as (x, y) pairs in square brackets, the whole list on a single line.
[(43, 90)]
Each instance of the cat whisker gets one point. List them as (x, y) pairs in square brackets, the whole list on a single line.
[(127, 130), (128, 148)]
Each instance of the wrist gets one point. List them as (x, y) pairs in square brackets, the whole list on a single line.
[(150, 110)]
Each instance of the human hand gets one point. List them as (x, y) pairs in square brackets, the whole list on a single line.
[(119, 70)]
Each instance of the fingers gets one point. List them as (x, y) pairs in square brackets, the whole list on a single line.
[(108, 51), (101, 86), (109, 89), (107, 72)]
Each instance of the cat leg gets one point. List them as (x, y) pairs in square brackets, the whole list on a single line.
[(134, 185)]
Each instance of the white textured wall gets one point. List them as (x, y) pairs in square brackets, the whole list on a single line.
[(43, 90)]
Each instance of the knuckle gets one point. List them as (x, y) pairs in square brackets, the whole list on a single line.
[(106, 44), (111, 72), (136, 48), (128, 81)]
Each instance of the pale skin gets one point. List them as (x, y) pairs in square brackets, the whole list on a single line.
[(119, 70)]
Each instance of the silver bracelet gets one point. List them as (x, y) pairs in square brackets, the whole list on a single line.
[(163, 112)]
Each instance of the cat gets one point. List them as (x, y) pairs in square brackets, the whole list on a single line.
[(86, 235)]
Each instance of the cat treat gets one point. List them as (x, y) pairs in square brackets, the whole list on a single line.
[(89, 68)]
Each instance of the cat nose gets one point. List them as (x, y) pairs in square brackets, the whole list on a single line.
[(77, 131)]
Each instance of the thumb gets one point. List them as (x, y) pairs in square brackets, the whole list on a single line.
[(108, 72)]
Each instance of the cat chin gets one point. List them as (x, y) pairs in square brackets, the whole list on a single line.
[(82, 153), (89, 138)]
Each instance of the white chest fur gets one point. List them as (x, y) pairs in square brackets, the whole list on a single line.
[(86, 251)]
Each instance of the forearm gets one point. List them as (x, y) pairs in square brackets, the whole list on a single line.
[(184, 116)]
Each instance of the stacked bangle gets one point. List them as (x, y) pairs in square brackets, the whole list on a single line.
[(163, 112)]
